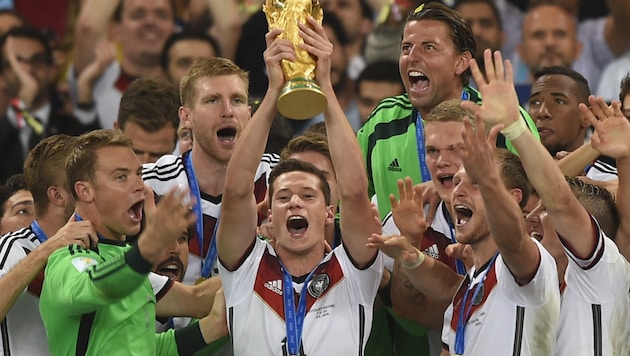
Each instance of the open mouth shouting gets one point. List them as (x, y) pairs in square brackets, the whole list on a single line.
[(135, 212), (446, 180), (418, 81), (297, 225), (172, 268), (227, 135), (463, 215)]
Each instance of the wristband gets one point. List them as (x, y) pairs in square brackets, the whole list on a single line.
[(416, 264), (514, 130)]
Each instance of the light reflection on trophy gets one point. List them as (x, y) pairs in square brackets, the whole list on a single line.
[(300, 98)]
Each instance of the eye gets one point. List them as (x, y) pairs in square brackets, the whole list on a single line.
[(432, 151), (560, 101), (24, 211), (283, 198), (121, 177), (534, 103), (405, 48), (429, 47)]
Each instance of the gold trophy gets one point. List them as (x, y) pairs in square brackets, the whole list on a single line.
[(301, 98)]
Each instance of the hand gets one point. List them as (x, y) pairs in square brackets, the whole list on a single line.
[(316, 43), (214, 325), (431, 198), (166, 222), (500, 103), (408, 212), (104, 55), (277, 50), (478, 156), (74, 232), (561, 154), (612, 129), (28, 84), (394, 246), (461, 252)]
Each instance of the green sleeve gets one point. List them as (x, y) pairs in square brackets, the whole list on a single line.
[(81, 281)]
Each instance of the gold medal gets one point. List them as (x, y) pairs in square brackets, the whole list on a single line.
[(200, 280)]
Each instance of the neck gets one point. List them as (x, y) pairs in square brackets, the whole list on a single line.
[(483, 251), (209, 172), (300, 264), (455, 94), (99, 226), (51, 221)]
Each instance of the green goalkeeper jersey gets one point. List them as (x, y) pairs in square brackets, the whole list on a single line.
[(100, 302)]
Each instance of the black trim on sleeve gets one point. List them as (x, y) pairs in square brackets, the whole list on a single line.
[(85, 329), (167, 287), (189, 339), (134, 259)]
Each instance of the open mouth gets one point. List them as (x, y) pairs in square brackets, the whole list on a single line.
[(463, 214), (446, 180), (297, 225), (172, 268), (227, 135), (418, 81), (135, 212)]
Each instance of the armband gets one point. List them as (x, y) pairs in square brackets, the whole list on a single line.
[(414, 265), (515, 130)]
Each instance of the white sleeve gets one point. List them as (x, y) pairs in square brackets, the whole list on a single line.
[(238, 284), (363, 282), (542, 286)]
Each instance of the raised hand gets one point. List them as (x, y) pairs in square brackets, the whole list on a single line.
[(612, 129), (500, 103), (28, 84), (277, 50), (408, 211), (316, 43), (478, 157), (394, 246)]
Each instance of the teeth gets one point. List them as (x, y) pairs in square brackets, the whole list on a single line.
[(415, 73), (295, 218)]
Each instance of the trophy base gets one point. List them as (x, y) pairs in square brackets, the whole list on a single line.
[(301, 99)]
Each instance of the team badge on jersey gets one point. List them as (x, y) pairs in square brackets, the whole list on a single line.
[(83, 263), (479, 296), (318, 285)]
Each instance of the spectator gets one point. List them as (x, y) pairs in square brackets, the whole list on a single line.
[(379, 80), (148, 116)]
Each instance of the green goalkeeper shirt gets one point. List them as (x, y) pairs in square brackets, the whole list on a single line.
[(100, 302)]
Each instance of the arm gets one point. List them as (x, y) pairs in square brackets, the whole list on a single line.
[(573, 164), (237, 226), (431, 277), (22, 274), (355, 206), (92, 23), (617, 26), (505, 219), (612, 130), (28, 85), (184, 300)]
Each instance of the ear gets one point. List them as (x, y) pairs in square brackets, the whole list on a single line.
[(55, 197), (184, 117), (463, 62), (330, 214), (116, 127), (517, 194), (84, 191)]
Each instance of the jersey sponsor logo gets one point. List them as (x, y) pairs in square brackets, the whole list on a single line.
[(83, 263), (274, 286), (394, 166), (318, 285), (432, 251)]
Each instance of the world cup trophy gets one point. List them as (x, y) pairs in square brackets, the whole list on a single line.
[(301, 97)]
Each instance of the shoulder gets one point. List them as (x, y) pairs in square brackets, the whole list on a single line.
[(166, 168), (16, 245), (389, 109)]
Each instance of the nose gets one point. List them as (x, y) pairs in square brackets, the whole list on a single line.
[(295, 201), (543, 113)]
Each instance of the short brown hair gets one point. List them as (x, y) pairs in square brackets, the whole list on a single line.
[(308, 142), (599, 202), (150, 103), (41, 168), (208, 67), (81, 163), (513, 174), (449, 111)]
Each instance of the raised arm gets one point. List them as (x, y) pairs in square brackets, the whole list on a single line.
[(91, 28), (355, 206), (505, 218), (573, 164), (612, 130), (237, 225)]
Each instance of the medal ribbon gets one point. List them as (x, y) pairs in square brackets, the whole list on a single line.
[(459, 264), (41, 236), (464, 313), (206, 264), (294, 320)]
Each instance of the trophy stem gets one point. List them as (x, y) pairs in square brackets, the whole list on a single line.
[(301, 99)]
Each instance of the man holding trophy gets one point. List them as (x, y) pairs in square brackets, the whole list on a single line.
[(292, 297), (301, 97)]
